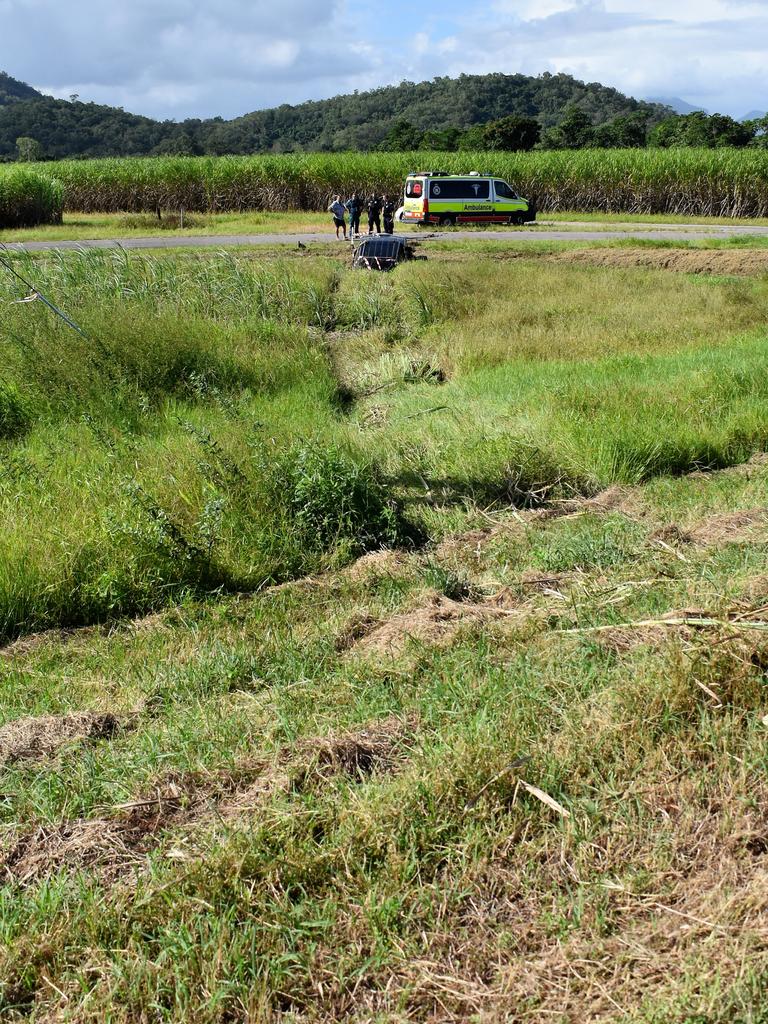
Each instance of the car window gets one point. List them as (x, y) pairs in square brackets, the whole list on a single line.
[(467, 188), (414, 188), (503, 191)]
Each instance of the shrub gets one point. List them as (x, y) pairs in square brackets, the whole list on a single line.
[(330, 499)]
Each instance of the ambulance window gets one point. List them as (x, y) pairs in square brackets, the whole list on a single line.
[(466, 189), (503, 191), (414, 188)]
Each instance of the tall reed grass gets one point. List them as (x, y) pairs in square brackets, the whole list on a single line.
[(201, 434), (701, 182), (28, 198)]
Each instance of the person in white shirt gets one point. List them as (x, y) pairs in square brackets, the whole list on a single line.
[(339, 211)]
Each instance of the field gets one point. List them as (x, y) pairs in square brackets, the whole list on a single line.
[(383, 648), (689, 182)]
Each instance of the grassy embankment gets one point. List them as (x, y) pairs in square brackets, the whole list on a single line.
[(304, 803)]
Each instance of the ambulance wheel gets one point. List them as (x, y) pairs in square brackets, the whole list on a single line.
[(447, 221), (518, 219)]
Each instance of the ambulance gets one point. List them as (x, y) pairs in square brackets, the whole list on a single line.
[(436, 197)]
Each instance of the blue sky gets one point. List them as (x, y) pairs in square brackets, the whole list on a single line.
[(179, 58)]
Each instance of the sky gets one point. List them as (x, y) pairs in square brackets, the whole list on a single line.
[(201, 58)]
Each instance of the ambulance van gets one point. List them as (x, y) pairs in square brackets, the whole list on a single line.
[(435, 197)]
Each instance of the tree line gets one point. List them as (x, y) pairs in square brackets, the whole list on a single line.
[(496, 112), (577, 131)]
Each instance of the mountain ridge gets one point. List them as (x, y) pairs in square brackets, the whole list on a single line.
[(358, 121), (676, 103)]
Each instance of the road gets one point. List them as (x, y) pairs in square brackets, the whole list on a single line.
[(567, 231)]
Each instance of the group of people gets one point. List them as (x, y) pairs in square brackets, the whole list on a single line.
[(378, 208)]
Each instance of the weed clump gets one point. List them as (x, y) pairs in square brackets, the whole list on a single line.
[(14, 416), (331, 500)]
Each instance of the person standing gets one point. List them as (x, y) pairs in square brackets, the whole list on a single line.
[(374, 215), (388, 215), (354, 206), (338, 211)]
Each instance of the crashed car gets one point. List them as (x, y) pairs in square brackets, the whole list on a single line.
[(383, 252)]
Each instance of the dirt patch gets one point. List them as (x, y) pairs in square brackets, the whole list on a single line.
[(654, 633), (355, 629), (117, 845), (612, 499), (34, 641), (469, 544), (114, 845), (722, 528), (739, 262), (76, 845), (433, 623), (32, 739), (380, 746), (671, 535), (756, 591), (377, 563), (706, 925), (679, 924), (756, 462), (730, 528)]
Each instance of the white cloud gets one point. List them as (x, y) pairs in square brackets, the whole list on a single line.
[(710, 52), (176, 58), (179, 57)]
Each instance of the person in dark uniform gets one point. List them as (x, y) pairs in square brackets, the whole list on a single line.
[(355, 208), (374, 215), (388, 215)]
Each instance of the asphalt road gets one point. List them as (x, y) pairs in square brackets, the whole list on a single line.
[(571, 231)]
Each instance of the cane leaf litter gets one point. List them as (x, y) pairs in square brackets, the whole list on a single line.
[(382, 647)]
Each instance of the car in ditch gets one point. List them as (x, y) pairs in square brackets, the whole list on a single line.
[(436, 197), (383, 252)]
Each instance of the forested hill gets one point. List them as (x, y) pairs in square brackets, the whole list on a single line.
[(12, 91), (362, 120), (357, 121)]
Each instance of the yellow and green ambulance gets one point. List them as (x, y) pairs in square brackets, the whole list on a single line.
[(435, 197)]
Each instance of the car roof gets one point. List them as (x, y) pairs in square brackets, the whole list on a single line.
[(443, 174), (382, 241)]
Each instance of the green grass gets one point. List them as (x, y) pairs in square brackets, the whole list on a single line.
[(297, 820), (391, 879), (184, 419), (84, 226)]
